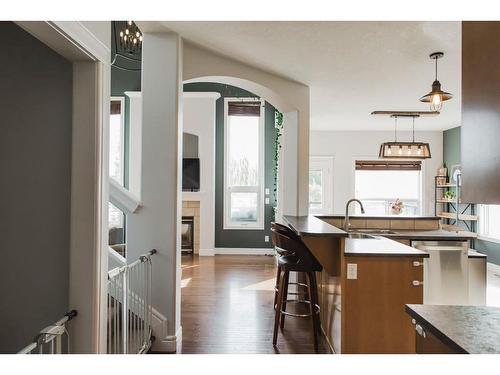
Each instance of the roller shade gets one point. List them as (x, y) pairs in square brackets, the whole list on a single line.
[(383, 165), (115, 107), (244, 108)]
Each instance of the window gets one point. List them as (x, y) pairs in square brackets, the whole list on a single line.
[(116, 229), (379, 183), (320, 185), (117, 140), (244, 164), (489, 222)]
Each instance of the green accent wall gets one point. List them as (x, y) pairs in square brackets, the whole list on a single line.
[(239, 238), (451, 146), (451, 156)]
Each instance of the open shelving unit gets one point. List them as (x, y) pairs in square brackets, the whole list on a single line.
[(463, 212)]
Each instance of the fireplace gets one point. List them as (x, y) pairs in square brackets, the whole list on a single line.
[(187, 235)]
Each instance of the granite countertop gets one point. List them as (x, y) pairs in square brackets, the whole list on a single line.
[(466, 329), (380, 246), (311, 226), (384, 217), (438, 234)]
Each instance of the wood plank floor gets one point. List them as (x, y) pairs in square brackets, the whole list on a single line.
[(227, 308)]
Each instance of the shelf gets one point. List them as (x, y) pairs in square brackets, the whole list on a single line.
[(446, 201), (455, 228), (453, 216)]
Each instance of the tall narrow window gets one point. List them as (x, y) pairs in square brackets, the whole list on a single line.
[(320, 185), (378, 184), (244, 158), (489, 222), (117, 140)]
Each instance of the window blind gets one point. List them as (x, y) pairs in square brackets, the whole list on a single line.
[(384, 165), (244, 108)]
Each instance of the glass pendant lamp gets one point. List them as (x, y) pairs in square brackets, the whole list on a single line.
[(404, 150)]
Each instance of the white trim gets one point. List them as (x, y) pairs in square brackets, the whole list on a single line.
[(206, 252), (198, 94), (243, 251), (488, 239), (259, 225), (122, 198), (133, 94)]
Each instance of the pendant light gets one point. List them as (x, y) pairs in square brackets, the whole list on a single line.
[(404, 150), (437, 96)]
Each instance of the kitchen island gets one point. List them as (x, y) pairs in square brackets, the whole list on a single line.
[(456, 329), (368, 279)]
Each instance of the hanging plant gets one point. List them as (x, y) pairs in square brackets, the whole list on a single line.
[(278, 125)]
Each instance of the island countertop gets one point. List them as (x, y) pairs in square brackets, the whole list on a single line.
[(465, 329), (310, 225), (380, 246)]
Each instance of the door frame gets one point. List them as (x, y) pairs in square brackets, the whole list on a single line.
[(88, 263)]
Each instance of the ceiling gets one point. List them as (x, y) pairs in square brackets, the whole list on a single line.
[(352, 68)]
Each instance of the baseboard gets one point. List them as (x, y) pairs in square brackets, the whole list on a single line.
[(163, 342), (243, 251), (206, 252)]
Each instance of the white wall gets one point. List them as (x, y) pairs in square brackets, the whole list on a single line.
[(199, 119), (346, 147)]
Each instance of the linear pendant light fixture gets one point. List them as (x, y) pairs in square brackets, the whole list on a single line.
[(437, 96), (404, 150)]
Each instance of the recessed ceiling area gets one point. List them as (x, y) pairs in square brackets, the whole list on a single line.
[(352, 68)]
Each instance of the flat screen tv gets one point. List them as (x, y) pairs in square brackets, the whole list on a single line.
[(190, 174)]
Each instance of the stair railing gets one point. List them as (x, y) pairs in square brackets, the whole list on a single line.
[(129, 307)]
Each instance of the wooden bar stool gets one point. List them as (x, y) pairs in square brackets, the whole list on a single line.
[(300, 260)]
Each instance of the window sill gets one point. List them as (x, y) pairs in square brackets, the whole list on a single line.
[(488, 239)]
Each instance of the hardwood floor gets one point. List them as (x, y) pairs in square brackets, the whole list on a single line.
[(227, 308)]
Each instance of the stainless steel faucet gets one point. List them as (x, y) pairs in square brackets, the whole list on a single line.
[(347, 224)]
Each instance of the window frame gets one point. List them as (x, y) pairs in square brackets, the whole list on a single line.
[(120, 99), (421, 186), (323, 162), (227, 190), (483, 215)]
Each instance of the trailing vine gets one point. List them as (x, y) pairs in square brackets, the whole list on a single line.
[(278, 125)]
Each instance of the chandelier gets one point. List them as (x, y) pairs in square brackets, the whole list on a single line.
[(131, 39)]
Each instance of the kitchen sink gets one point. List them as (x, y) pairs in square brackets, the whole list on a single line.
[(360, 236)]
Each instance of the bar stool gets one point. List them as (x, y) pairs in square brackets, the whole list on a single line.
[(284, 252), (299, 259)]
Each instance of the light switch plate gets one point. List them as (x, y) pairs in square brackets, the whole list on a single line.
[(352, 271), (267, 200), (266, 238), (267, 191)]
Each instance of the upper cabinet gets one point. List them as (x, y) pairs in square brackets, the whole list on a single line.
[(480, 139)]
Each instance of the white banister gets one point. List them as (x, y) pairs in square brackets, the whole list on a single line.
[(129, 307), (49, 340)]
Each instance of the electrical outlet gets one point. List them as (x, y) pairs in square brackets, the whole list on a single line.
[(267, 191), (267, 200), (352, 271), (266, 238)]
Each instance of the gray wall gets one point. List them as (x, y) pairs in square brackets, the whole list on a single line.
[(35, 170), (239, 238)]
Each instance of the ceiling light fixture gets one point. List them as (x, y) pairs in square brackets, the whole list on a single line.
[(131, 38), (404, 150), (437, 96)]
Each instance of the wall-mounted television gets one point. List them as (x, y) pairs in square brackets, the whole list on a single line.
[(190, 174)]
